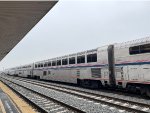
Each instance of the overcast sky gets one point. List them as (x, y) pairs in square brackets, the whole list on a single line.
[(77, 25)]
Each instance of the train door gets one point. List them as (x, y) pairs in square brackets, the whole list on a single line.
[(126, 73), (104, 76), (119, 73)]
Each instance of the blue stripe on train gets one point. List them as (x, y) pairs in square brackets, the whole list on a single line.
[(133, 63)]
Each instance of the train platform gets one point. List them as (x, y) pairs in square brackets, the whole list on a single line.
[(6, 104), (11, 102)]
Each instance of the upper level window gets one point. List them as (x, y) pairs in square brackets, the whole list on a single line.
[(58, 62), (45, 65), (41, 65), (92, 58), (72, 60), (145, 48), (139, 49), (64, 61), (35, 65), (49, 63), (134, 50), (81, 59), (53, 63)]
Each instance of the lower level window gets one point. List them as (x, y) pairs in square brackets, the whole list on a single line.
[(44, 72)]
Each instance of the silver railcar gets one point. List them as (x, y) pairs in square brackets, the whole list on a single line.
[(121, 65)]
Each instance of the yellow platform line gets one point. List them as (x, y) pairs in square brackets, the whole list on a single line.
[(20, 103), (2, 107)]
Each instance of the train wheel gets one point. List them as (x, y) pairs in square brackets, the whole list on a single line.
[(143, 90), (148, 92), (131, 88), (94, 84), (79, 82)]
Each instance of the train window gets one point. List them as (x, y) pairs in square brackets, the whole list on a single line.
[(49, 72), (81, 59), (64, 61), (92, 58), (53, 63), (139, 49), (49, 63), (96, 72), (45, 65), (134, 50), (58, 62), (72, 60), (145, 48), (44, 72), (35, 65), (41, 65)]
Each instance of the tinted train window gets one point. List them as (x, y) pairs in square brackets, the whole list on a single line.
[(139, 49), (54, 63), (35, 65), (72, 60), (44, 72), (58, 62), (64, 61), (92, 58), (81, 59), (45, 65), (41, 65), (134, 50), (96, 72), (49, 63), (145, 48)]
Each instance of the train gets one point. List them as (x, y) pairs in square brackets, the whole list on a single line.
[(121, 65)]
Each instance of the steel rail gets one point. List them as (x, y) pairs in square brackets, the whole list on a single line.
[(74, 109), (95, 97)]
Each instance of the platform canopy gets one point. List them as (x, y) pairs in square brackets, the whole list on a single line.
[(17, 18)]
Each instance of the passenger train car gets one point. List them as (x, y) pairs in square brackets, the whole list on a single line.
[(121, 65), (23, 71)]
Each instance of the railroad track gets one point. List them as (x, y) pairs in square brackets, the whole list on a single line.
[(124, 105), (43, 103)]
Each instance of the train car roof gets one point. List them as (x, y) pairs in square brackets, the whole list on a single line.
[(103, 48), (136, 42), (65, 56)]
